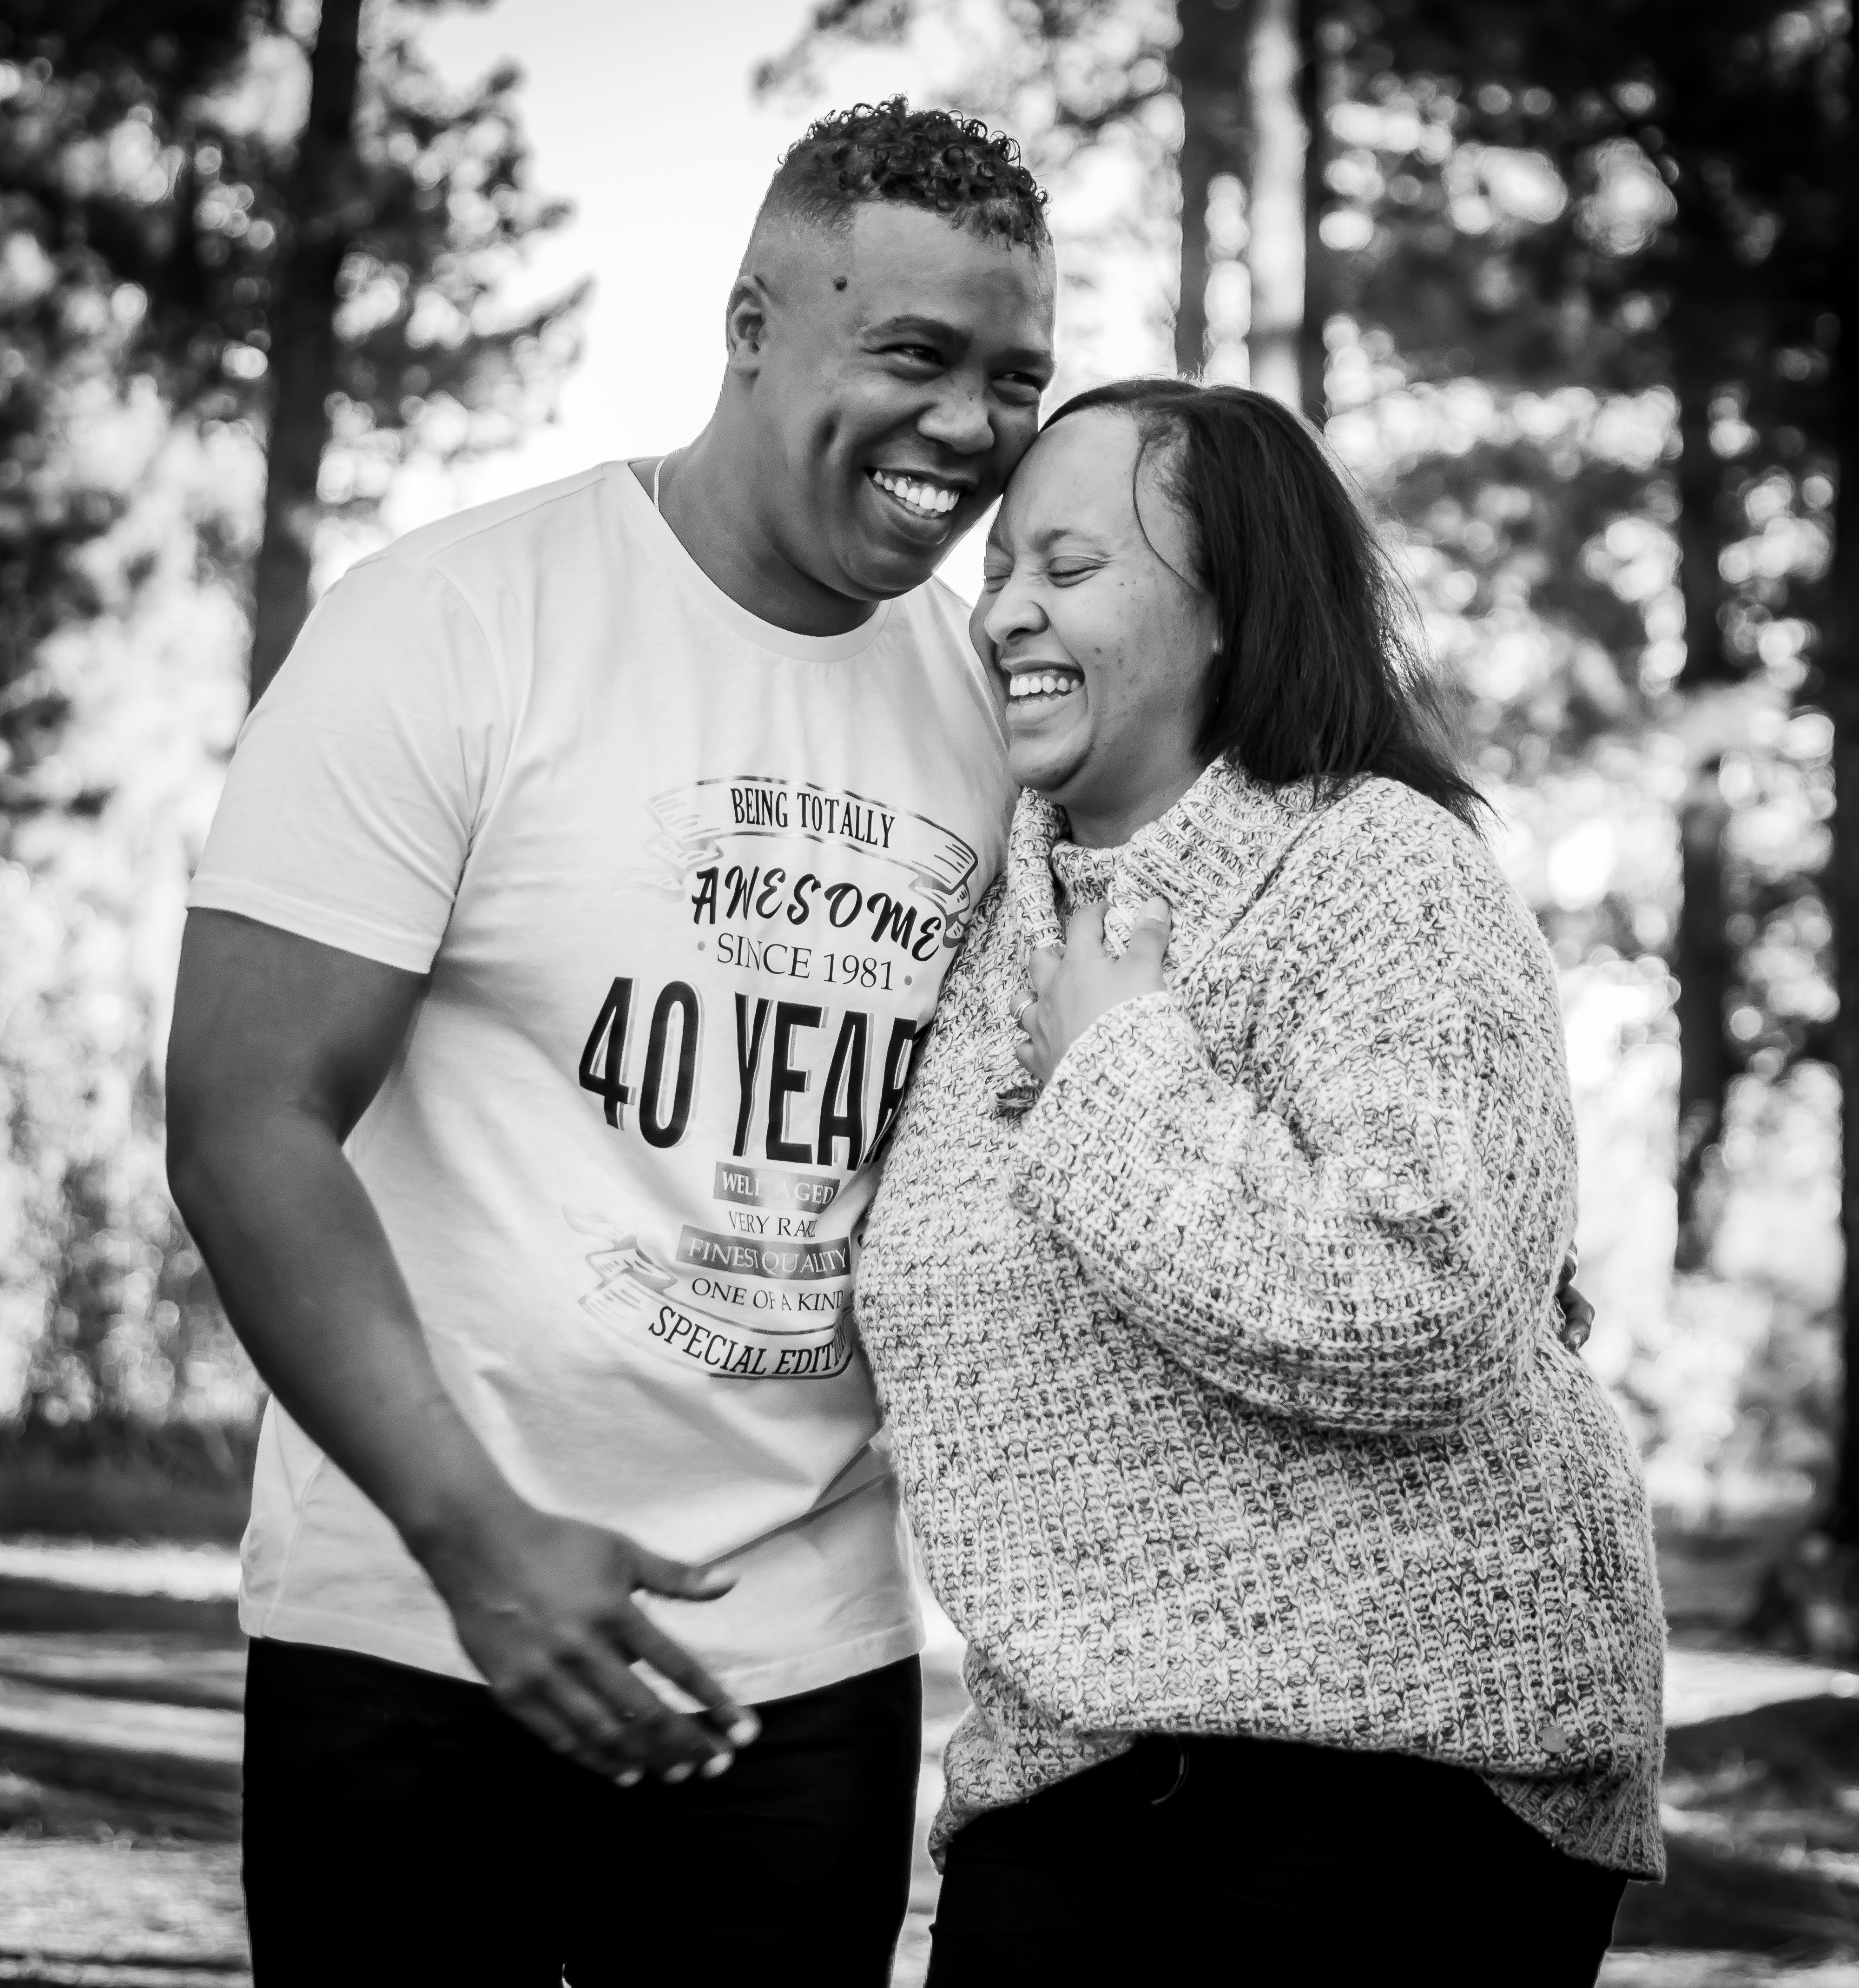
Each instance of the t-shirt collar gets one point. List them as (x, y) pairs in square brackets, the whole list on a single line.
[(695, 581)]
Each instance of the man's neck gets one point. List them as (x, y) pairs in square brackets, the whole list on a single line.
[(703, 495)]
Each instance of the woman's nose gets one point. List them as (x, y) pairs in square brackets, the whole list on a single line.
[(1014, 611)]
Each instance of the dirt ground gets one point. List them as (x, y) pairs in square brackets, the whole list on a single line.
[(120, 1674)]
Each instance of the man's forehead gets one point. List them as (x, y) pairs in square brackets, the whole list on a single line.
[(883, 231), (901, 263)]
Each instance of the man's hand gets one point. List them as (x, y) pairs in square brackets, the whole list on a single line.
[(278, 1044), (544, 1607), (1066, 992)]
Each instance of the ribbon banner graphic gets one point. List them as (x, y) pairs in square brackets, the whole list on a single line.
[(696, 822)]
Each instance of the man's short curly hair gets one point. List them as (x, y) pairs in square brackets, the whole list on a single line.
[(931, 159)]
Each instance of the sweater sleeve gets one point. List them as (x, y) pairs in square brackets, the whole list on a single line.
[(1373, 1248)]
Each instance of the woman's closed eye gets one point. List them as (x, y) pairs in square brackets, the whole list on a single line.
[(1062, 573)]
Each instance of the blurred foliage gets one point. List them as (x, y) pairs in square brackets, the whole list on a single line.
[(1610, 458), (1568, 276), (1084, 86), (1570, 269), (146, 155)]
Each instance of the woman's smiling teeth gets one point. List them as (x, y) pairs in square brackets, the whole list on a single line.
[(1040, 683), (928, 500)]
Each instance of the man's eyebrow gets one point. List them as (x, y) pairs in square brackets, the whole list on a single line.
[(933, 330), (924, 327)]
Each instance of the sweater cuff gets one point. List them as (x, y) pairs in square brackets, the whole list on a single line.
[(1140, 1056)]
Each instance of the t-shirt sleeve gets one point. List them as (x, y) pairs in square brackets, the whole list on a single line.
[(362, 773)]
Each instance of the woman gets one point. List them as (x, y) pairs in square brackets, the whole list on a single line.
[(1306, 1575)]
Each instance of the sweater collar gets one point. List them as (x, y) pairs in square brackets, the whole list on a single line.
[(1219, 839)]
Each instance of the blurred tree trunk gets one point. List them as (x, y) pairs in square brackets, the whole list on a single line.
[(1313, 104), (1276, 205), (1209, 66), (303, 354), (1839, 662), (1703, 959)]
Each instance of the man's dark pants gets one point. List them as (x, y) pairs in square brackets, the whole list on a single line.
[(400, 1827)]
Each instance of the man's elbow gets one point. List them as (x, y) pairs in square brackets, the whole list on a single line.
[(201, 1126), (188, 1145)]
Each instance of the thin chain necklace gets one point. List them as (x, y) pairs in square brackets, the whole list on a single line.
[(658, 471)]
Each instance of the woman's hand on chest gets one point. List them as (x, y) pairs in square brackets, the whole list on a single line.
[(1067, 990)]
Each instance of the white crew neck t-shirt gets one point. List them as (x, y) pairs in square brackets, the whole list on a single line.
[(686, 886)]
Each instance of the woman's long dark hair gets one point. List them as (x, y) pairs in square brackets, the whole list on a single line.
[(1318, 674)]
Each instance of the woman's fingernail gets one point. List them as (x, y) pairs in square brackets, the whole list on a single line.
[(630, 1778), (679, 1770), (718, 1763), (745, 1727)]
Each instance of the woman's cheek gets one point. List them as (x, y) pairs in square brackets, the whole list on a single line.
[(978, 632)]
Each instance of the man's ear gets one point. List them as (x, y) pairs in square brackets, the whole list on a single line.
[(746, 324)]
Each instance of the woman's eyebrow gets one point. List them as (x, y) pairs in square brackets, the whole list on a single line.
[(1052, 535), (1045, 539), (1045, 542)]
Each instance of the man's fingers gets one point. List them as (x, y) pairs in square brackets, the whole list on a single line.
[(574, 1722), (535, 1711), (660, 1576), (591, 1706), (615, 1739), (645, 1640), (670, 1743)]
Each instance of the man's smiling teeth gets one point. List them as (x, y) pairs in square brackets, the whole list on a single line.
[(930, 500), (1040, 683)]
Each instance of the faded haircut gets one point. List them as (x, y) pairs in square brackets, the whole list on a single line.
[(948, 165)]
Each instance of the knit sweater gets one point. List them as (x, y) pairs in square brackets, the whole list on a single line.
[(1225, 1382)]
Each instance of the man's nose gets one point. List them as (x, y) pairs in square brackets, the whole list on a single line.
[(958, 419)]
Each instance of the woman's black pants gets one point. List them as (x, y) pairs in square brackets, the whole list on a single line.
[(1260, 1862)]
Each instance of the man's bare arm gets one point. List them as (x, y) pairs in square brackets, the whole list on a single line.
[(278, 1045)]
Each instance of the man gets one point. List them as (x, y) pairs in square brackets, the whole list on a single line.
[(552, 977)]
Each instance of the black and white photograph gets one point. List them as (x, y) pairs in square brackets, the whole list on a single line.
[(929, 993)]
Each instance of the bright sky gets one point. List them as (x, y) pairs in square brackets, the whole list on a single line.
[(640, 113)]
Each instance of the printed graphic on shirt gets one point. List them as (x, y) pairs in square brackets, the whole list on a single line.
[(820, 924)]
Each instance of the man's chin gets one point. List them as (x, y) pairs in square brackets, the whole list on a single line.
[(882, 573)]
